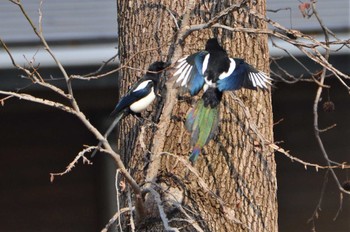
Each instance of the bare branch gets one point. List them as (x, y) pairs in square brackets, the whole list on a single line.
[(301, 45), (39, 34), (115, 217), (315, 214), (213, 20), (307, 164), (117, 198), (28, 97), (317, 100), (73, 163), (33, 75), (132, 224), (301, 64), (123, 66), (340, 206), (104, 64), (263, 141), (170, 101), (75, 109)]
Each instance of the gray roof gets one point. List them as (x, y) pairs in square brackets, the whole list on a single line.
[(94, 21), (70, 22), (62, 20)]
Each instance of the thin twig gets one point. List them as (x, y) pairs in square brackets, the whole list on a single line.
[(118, 196), (299, 62), (115, 217), (263, 141), (104, 64), (28, 97), (40, 81), (120, 66), (213, 20), (316, 103), (73, 163), (132, 223), (315, 214), (75, 109)]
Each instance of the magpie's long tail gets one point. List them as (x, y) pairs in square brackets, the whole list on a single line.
[(202, 121), (195, 153), (118, 117)]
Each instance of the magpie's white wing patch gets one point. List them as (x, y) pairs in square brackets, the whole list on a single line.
[(229, 71), (205, 63), (185, 75), (183, 71), (142, 85), (188, 72), (182, 64), (259, 79)]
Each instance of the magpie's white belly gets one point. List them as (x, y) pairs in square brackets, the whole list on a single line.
[(143, 103)]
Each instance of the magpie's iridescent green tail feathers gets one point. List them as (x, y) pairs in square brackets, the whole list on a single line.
[(202, 122), (194, 155)]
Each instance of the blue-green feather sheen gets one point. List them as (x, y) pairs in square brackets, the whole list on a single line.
[(202, 122)]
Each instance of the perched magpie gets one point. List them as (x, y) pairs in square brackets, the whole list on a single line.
[(202, 121), (213, 67), (138, 98), (215, 72)]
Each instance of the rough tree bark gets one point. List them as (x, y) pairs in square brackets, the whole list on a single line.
[(233, 185)]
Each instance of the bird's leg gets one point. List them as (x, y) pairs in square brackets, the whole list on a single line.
[(138, 117)]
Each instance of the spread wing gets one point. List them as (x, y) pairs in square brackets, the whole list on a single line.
[(242, 75), (190, 72)]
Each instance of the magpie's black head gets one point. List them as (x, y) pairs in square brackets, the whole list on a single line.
[(212, 45), (158, 66)]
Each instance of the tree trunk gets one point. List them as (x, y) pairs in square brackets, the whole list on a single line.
[(232, 186)]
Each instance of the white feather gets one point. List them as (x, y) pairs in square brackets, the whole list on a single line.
[(182, 59), (229, 71), (142, 85), (182, 76), (180, 68), (180, 63), (257, 80), (205, 63), (262, 81), (143, 103), (251, 77), (265, 79), (185, 80)]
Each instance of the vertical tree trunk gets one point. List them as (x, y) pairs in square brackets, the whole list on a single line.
[(232, 186)]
